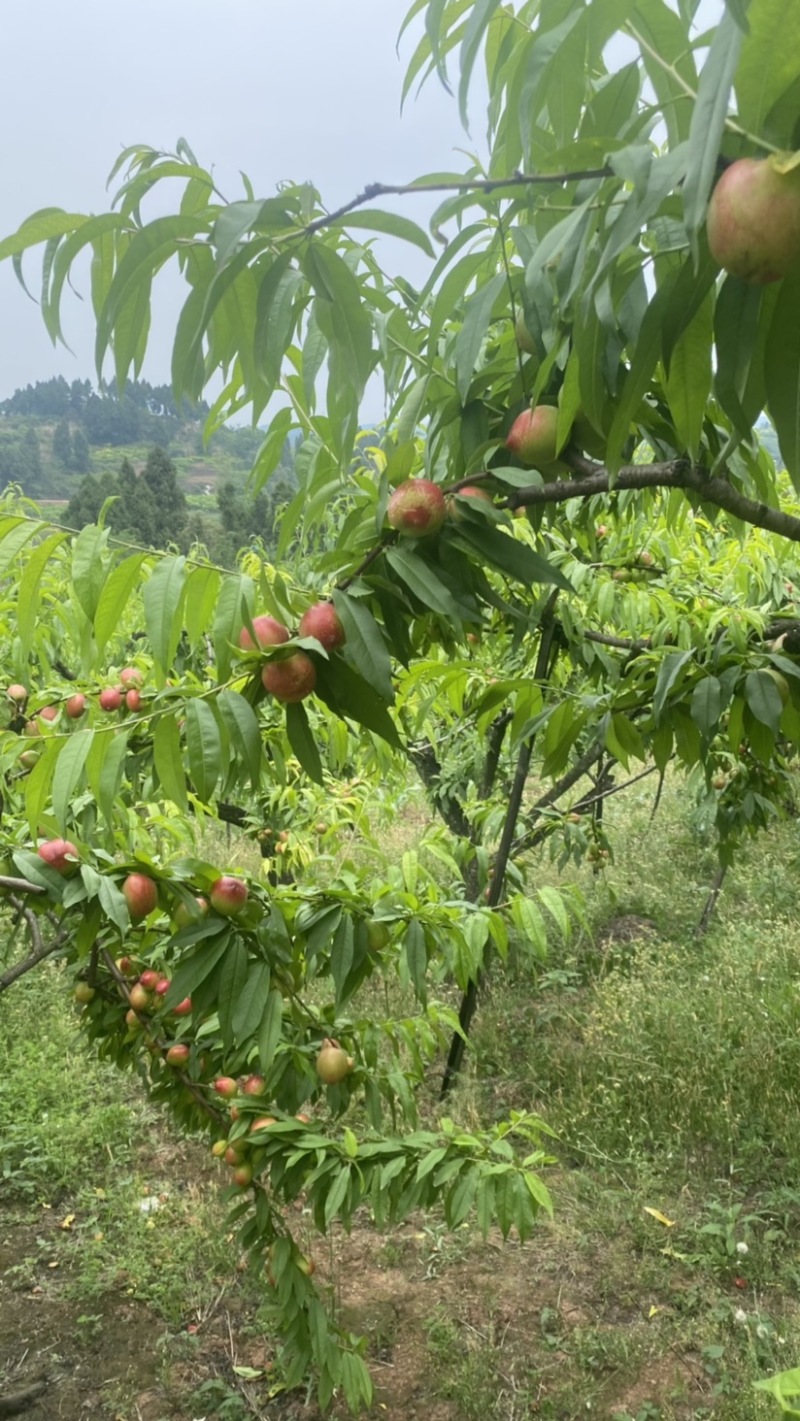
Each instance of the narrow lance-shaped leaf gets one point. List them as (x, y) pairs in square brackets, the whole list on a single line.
[(245, 732), (477, 315), (232, 980), (709, 113), (163, 600), (199, 601), (302, 741), (168, 757), (235, 597), (365, 645), (68, 771), (204, 745), (114, 598), (29, 588), (782, 370), (88, 567)]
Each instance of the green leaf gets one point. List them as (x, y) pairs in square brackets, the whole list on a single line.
[(204, 744), (764, 699), (337, 1194), (668, 673), (88, 569), (623, 739), (485, 1205), (163, 600), (461, 1197), (276, 316), (235, 598), (68, 771), (113, 751), (477, 24), (470, 338), (415, 952), (168, 758), (768, 63), (198, 964), (391, 223), (349, 325), (783, 1386), (350, 696), (643, 362), (782, 372), (149, 249), (706, 706), (40, 227), (511, 556), (420, 578), (14, 534), (302, 741), (554, 903), (738, 313), (199, 601), (689, 378), (37, 786), (251, 1005), (709, 113), (28, 588), (244, 730), (365, 645), (692, 285), (269, 1033), (232, 982), (342, 952), (528, 920), (114, 598), (113, 903)]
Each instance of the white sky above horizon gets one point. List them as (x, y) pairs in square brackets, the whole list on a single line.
[(283, 89)]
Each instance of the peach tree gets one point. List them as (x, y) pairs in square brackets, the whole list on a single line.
[(566, 552)]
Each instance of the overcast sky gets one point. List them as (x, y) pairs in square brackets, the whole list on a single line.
[(280, 88)]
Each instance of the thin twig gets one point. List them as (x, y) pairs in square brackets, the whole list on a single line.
[(481, 185), (20, 885)]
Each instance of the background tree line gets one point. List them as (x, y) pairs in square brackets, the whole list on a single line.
[(151, 509)]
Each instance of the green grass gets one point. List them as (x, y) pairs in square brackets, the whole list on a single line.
[(668, 1066)]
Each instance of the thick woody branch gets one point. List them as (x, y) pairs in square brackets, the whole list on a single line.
[(41, 950), (547, 653), (591, 479)]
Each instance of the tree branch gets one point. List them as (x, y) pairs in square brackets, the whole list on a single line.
[(20, 885), (469, 1000), (533, 834), (485, 185), (591, 479), (40, 952)]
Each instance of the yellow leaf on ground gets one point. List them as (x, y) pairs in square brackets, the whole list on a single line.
[(662, 1218)]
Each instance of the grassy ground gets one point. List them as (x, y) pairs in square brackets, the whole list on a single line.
[(668, 1281)]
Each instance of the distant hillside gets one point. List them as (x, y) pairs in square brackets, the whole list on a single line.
[(53, 433)]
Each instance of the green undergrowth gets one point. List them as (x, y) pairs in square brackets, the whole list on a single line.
[(668, 1066)]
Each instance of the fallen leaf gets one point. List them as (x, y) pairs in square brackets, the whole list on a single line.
[(67, 1222), (662, 1218)]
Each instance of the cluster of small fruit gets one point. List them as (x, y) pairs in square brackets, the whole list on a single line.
[(294, 678), (333, 1064)]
